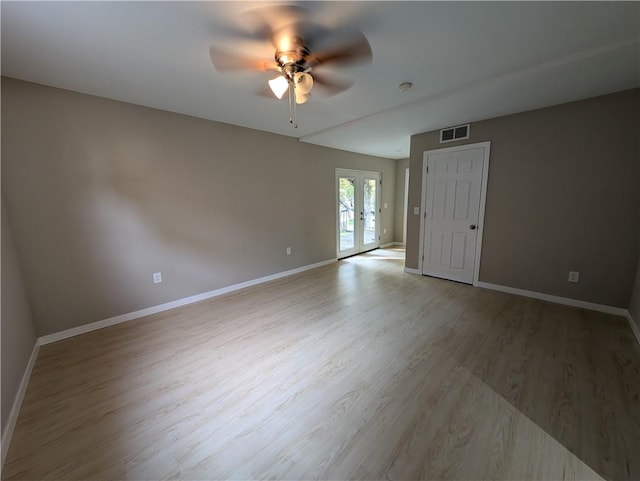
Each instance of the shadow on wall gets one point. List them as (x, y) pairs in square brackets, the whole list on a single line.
[(212, 201), (109, 193), (185, 197)]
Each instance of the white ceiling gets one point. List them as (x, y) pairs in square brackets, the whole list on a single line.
[(467, 61)]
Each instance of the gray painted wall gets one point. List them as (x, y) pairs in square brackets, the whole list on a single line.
[(401, 166), (634, 305), (562, 195), (18, 335), (105, 193)]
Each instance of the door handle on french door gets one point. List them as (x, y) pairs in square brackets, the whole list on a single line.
[(472, 227)]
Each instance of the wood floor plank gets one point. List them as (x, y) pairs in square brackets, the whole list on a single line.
[(354, 370)]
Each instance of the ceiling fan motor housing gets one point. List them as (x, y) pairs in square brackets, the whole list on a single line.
[(293, 60)]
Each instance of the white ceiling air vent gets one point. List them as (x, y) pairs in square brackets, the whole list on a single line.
[(458, 132)]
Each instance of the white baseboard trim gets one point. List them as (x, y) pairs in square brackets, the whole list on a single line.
[(93, 326), (17, 403), (633, 326), (618, 311), (412, 271), (391, 244)]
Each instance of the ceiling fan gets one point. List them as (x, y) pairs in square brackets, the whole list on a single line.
[(302, 50)]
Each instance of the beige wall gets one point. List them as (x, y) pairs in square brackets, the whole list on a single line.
[(562, 195), (401, 166), (17, 332), (105, 193), (634, 305)]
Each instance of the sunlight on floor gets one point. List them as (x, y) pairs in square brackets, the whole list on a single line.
[(395, 253)]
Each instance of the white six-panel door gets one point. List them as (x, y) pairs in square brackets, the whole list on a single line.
[(452, 188)]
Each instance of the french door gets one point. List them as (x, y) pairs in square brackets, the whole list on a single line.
[(358, 211)]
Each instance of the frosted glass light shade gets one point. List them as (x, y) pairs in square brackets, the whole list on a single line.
[(301, 98), (304, 82), (279, 86)]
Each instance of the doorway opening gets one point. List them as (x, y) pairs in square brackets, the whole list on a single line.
[(357, 211)]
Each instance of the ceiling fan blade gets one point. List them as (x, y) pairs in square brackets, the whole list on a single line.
[(239, 33), (225, 61), (267, 22), (330, 85), (310, 33), (355, 49), (266, 92)]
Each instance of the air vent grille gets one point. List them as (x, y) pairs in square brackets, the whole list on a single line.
[(459, 132)]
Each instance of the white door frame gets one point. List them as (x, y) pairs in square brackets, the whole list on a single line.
[(483, 200), (405, 206)]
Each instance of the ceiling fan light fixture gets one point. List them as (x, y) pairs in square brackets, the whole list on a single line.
[(279, 86), (293, 33), (304, 82), (301, 98)]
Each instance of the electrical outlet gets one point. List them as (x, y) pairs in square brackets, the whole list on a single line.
[(288, 251), (384, 231), (157, 277), (574, 276), (385, 205), (416, 211)]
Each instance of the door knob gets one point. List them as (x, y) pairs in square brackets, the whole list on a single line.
[(472, 227)]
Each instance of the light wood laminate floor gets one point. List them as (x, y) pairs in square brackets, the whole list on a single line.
[(354, 370)]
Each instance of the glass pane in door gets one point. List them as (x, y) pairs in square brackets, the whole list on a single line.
[(346, 212), (369, 211)]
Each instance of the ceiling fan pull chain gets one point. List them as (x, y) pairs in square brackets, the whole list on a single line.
[(292, 105)]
